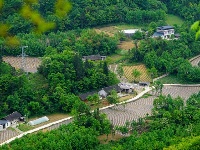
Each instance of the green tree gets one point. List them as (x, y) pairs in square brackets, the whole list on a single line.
[(113, 97), (196, 28), (136, 74), (158, 86)]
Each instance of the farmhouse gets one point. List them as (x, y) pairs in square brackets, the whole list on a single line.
[(107, 90), (10, 120), (84, 96), (130, 32), (13, 118), (113, 87), (128, 88), (103, 93), (94, 57), (165, 32)]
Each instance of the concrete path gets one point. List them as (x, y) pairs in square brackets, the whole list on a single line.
[(35, 130)]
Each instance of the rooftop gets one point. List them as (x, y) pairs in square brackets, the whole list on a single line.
[(110, 88), (2, 122), (158, 34), (93, 57), (13, 116), (165, 27), (85, 95), (130, 31), (38, 121)]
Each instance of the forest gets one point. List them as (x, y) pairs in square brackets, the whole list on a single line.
[(63, 75), (172, 125)]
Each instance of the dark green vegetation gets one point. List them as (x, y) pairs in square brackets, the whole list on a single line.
[(173, 79), (63, 74), (171, 125), (170, 56)]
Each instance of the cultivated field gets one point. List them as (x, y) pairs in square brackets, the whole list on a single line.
[(30, 63), (113, 29), (126, 45), (129, 69)]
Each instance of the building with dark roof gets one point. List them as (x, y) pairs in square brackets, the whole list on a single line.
[(165, 28), (84, 96), (113, 87), (13, 118), (102, 93)]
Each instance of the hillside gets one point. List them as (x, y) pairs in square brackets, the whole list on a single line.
[(75, 56)]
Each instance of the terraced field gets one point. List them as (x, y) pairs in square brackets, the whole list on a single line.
[(119, 115), (129, 69), (31, 63)]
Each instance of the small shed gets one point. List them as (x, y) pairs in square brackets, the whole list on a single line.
[(38, 121), (13, 118), (102, 93)]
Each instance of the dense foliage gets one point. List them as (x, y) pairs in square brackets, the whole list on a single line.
[(61, 76), (85, 13), (170, 126), (84, 42), (170, 56), (189, 10)]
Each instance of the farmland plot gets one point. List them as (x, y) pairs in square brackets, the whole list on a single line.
[(30, 63), (129, 69)]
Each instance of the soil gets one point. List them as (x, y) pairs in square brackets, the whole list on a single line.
[(126, 45)]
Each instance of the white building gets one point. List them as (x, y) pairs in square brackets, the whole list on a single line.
[(165, 32), (38, 121), (130, 32)]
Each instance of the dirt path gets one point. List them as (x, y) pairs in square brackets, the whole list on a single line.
[(195, 60)]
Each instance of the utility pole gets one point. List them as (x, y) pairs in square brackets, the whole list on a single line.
[(23, 63)]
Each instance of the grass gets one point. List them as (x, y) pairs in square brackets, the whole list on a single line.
[(125, 26), (172, 19), (10, 128), (104, 140), (24, 127), (173, 79), (146, 95)]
